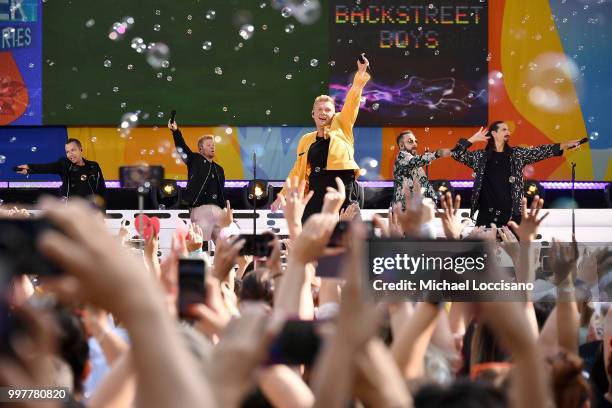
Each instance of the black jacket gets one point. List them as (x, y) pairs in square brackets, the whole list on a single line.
[(519, 158), (197, 172), (63, 167)]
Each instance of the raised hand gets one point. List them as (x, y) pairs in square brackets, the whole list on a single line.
[(350, 212), (563, 257), (227, 216), (479, 136), (313, 240), (195, 238), (226, 253), (451, 222), (572, 144), (23, 169), (295, 202), (211, 316), (334, 198), (529, 220), (362, 66), (172, 125)]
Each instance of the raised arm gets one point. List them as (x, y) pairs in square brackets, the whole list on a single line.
[(179, 141), (41, 168), (529, 155), (350, 109), (460, 151)]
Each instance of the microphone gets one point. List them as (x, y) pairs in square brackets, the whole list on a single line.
[(172, 116), (583, 141)]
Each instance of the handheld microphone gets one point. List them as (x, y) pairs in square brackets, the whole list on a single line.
[(583, 141), (172, 116), (361, 59)]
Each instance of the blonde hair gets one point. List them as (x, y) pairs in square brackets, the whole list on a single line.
[(203, 138), (323, 98)]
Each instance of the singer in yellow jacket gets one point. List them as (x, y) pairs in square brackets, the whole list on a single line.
[(329, 152)]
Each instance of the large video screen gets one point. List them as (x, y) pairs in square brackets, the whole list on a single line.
[(429, 59)]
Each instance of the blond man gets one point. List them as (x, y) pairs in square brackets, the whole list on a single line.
[(329, 152), (204, 194)]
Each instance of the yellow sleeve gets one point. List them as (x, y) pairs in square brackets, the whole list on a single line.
[(350, 109), (295, 169)]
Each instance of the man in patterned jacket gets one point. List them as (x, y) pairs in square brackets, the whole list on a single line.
[(498, 172), (409, 166)]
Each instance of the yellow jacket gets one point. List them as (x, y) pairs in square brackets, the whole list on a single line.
[(341, 155)]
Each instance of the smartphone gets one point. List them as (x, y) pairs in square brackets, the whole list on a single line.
[(337, 238), (330, 266), (360, 58), (18, 246), (192, 290), (257, 245), (297, 343)]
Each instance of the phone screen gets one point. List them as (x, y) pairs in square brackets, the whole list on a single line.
[(298, 343), (192, 273), (330, 266), (257, 245)]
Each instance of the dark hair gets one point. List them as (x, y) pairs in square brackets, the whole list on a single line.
[(75, 141), (570, 387), (401, 135), (257, 285), (461, 394), (74, 348), (494, 127)]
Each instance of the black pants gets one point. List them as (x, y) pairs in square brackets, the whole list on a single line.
[(499, 218), (318, 183)]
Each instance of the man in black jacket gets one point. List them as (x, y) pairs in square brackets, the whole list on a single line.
[(80, 177), (204, 194), (498, 172)]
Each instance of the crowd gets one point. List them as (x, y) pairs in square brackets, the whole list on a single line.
[(108, 328)]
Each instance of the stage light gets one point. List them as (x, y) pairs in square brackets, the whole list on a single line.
[(166, 195), (259, 191), (532, 188)]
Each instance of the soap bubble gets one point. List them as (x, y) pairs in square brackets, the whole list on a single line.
[(594, 136), (115, 89), (288, 76), (206, 45), (93, 139), (286, 12), (296, 58), (210, 14), (246, 31), (34, 148), (156, 27), (268, 112), (90, 23), (218, 71), (314, 62), (307, 12), (108, 63), (289, 28), (169, 78), (2, 159), (276, 50), (130, 67), (375, 106), (157, 56), (129, 120)]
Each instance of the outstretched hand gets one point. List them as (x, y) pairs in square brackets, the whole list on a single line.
[(480, 136), (172, 125), (529, 220)]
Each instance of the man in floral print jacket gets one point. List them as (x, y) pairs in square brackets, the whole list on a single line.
[(409, 166), (498, 172)]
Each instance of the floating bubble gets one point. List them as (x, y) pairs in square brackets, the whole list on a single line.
[(332, 63), (129, 20), (2, 159), (13, 139), (169, 78), (268, 112), (217, 139), (262, 5), (189, 17), (128, 121), (307, 12), (157, 55), (123, 104), (594, 136), (246, 31), (130, 67), (34, 148), (90, 23), (243, 82), (289, 28), (94, 139), (210, 14), (31, 65), (228, 130), (206, 45), (375, 106), (156, 27), (218, 71), (157, 12), (288, 76), (68, 106), (160, 114), (591, 119), (189, 31), (276, 50), (314, 62), (115, 89), (107, 63), (296, 58), (286, 12), (83, 95)]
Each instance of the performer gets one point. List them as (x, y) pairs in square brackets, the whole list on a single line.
[(408, 165), (80, 177), (204, 194), (498, 172), (329, 152)]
